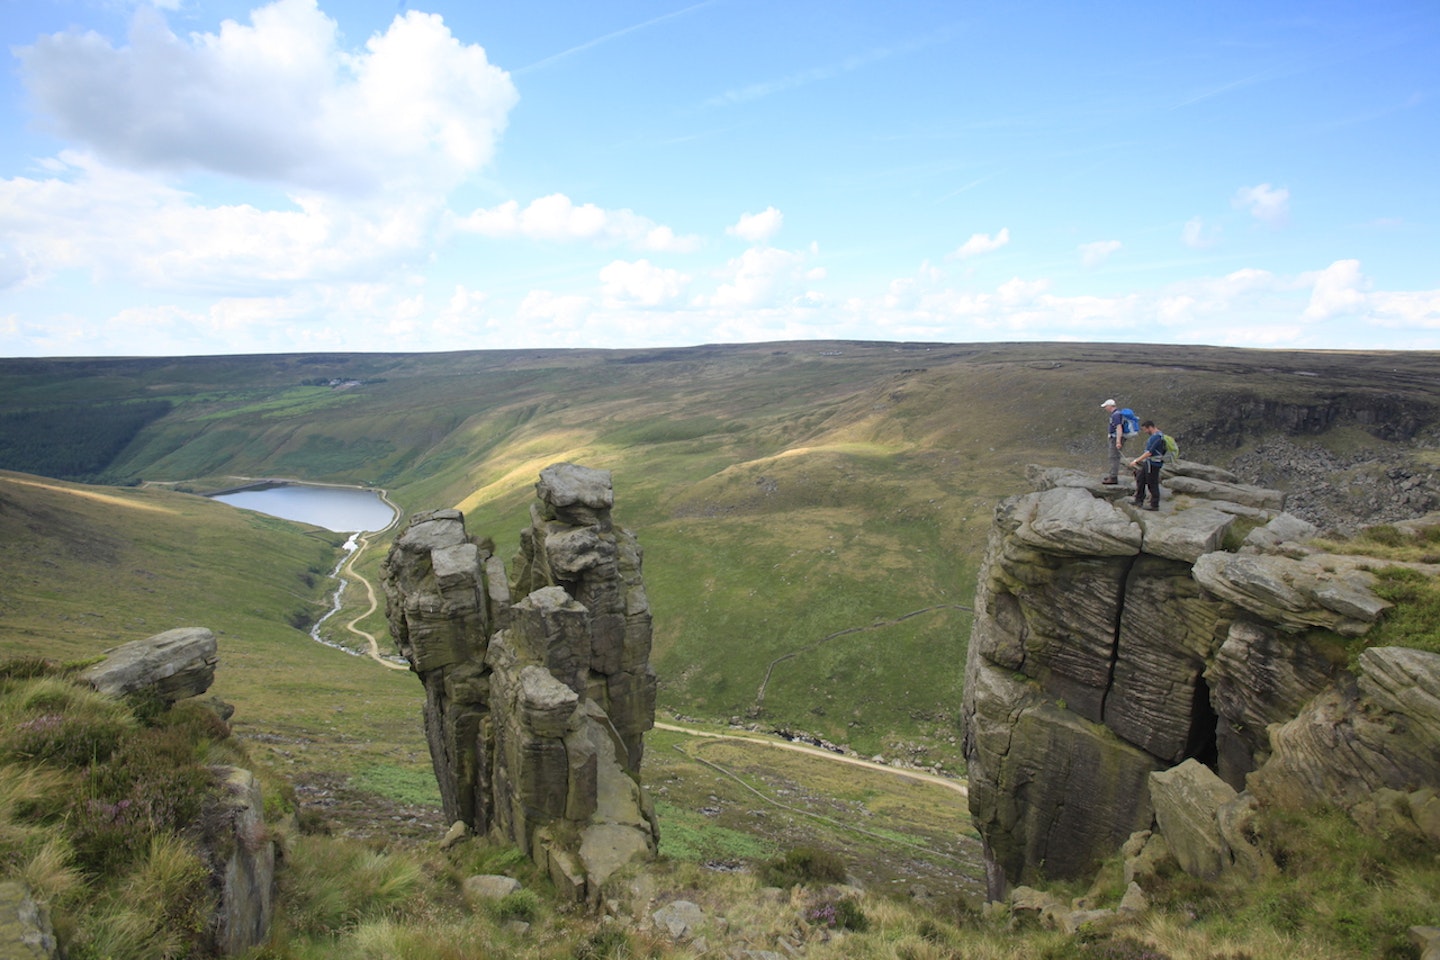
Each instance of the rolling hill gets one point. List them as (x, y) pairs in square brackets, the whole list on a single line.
[(812, 513)]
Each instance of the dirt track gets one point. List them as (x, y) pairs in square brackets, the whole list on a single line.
[(956, 785)]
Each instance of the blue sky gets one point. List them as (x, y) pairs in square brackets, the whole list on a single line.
[(211, 177)]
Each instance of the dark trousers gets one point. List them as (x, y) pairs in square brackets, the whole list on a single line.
[(1147, 477)]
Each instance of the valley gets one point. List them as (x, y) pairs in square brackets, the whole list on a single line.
[(812, 516)]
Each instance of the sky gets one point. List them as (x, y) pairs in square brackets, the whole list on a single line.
[(197, 177)]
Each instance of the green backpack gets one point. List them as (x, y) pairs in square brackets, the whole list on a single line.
[(1172, 449)]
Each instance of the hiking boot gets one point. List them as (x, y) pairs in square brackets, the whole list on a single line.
[(1109, 480), (1152, 506), (1138, 503)]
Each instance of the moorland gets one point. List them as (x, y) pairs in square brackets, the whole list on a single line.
[(812, 515)]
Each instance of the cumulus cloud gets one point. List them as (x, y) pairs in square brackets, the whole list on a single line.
[(1094, 254), (557, 218), (641, 284), (981, 243), (278, 99), (1338, 290), (1269, 205), (116, 223), (764, 277), (1197, 234), (757, 227), (1247, 307), (557, 313)]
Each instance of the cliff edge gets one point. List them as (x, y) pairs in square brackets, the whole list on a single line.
[(1169, 671)]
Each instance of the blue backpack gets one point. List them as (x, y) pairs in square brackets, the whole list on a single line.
[(1131, 422)]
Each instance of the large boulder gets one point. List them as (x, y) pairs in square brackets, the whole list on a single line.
[(1188, 799), (174, 665)]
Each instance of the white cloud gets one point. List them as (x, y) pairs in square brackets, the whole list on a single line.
[(278, 100), (1094, 254), (556, 313), (116, 224), (1410, 308), (557, 218), (981, 243), (640, 283), (757, 227), (1338, 290), (1269, 205), (763, 277), (1197, 234)]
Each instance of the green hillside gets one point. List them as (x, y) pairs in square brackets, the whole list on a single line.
[(812, 513), (86, 568)]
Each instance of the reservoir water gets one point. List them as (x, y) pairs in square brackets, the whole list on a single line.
[(342, 509)]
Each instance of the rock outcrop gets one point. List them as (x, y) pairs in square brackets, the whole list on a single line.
[(538, 689), (173, 666), (243, 862), (25, 929), (1133, 671)]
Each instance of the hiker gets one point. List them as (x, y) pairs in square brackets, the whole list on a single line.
[(1114, 439), (1148, 466)]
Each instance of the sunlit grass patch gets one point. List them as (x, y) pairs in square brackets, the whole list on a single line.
[(691, 836), (410, 785)]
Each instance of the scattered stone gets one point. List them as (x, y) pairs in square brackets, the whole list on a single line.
[(679, 919), (488, 886), (457, 834), (1186, 799), (1134, 902), (1427, 941)]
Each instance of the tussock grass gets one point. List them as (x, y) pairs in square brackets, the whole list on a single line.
[(333, 885)]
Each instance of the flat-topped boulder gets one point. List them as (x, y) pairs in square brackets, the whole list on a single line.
[(174, 665)]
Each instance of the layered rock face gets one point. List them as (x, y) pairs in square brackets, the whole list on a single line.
[(536, 709), (1121, 659)]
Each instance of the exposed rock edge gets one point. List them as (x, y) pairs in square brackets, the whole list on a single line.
[(1132, 672)]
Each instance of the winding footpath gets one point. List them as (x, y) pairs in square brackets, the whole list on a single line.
[(372, 646)]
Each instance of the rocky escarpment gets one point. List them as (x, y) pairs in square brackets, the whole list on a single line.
[(538, 689), (1133, 671)]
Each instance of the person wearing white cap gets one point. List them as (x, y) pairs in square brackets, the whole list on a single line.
[(1114, 439)]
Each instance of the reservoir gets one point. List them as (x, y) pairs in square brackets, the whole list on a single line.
[(342, 509)]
